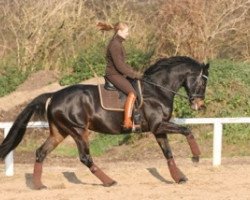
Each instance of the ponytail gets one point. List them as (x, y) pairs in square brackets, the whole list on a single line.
[(107, 27), (104, 26)]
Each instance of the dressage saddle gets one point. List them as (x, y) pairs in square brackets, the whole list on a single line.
[(113, 99)]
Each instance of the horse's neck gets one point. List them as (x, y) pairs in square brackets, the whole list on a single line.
[(155, 89), (168, 81)]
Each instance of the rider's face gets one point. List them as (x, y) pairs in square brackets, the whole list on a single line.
[(123, 33)]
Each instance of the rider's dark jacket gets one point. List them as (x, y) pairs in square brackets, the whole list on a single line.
[(115, 57)]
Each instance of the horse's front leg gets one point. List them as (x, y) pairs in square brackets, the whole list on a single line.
[(170, 127), (175, 172)]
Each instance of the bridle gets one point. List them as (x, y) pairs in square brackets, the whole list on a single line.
[(190, 97)]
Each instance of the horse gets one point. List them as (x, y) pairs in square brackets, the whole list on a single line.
[(76, 110)]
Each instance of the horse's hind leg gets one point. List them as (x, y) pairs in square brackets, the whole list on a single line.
[(175, 172), (85, 157), (52, 141)]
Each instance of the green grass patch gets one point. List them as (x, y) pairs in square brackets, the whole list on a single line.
[(89, 62), (98, 146), (103, 142), (10, 79), (66, 150)]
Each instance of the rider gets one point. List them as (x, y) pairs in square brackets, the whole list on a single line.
[(117, 71)]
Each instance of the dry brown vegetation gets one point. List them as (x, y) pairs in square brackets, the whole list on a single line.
[(45, 34), (205, 29)]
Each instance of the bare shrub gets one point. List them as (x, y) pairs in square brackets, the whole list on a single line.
[(205, 29), (42, 33)]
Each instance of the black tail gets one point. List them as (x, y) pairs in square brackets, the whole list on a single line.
[(18, 129)]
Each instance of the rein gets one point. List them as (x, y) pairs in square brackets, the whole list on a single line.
[(164, 88), (176, 93)]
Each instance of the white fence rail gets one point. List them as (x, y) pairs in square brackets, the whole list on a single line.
[(217, 137), (218, 130), (9, 161)]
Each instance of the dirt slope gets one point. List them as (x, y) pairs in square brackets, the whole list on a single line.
[(36, 84)]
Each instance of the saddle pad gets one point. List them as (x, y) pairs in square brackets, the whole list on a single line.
[(110, 100)]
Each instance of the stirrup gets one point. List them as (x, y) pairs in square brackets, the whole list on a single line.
[(126, 130), (136, 128)]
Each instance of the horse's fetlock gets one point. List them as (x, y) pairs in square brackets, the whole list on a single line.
[(186, 131), (86, 160), (190, 136), (40, 156)]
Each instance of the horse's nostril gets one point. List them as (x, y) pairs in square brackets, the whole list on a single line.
[(202, 107), (198, 106), (195, 106)]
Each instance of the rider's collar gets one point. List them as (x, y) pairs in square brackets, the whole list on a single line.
[(121, 39)]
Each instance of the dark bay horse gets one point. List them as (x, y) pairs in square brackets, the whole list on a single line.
[(76, 110)]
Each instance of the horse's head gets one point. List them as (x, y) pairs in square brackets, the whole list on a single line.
[(170, 74), (195, 86)]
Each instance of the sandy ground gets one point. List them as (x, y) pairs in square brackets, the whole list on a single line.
[(148, 179)]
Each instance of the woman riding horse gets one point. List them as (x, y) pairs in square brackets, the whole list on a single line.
[(77, 109), (117, 71)]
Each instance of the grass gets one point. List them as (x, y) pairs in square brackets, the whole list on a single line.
[(10, 78), (66, 150), (101, 143)]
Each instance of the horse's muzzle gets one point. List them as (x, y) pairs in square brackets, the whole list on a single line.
[(198, 104)]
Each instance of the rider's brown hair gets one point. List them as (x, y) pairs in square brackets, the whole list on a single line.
[(107, 27)]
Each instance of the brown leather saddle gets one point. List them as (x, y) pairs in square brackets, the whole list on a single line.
[(112, 99)]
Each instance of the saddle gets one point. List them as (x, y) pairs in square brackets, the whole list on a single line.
[(113, 99)]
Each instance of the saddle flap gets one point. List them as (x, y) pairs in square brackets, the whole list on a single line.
[(114, 100), (111, 99)]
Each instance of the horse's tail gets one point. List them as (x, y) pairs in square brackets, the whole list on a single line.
[(17, 131)]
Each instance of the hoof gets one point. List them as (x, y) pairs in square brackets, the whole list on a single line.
[(110, 184), (182, 180), (40, 187), (195, 159)]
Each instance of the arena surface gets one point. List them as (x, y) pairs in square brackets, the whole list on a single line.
[(142, 180)]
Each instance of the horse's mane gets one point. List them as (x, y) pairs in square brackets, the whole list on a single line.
[(172, 61)]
